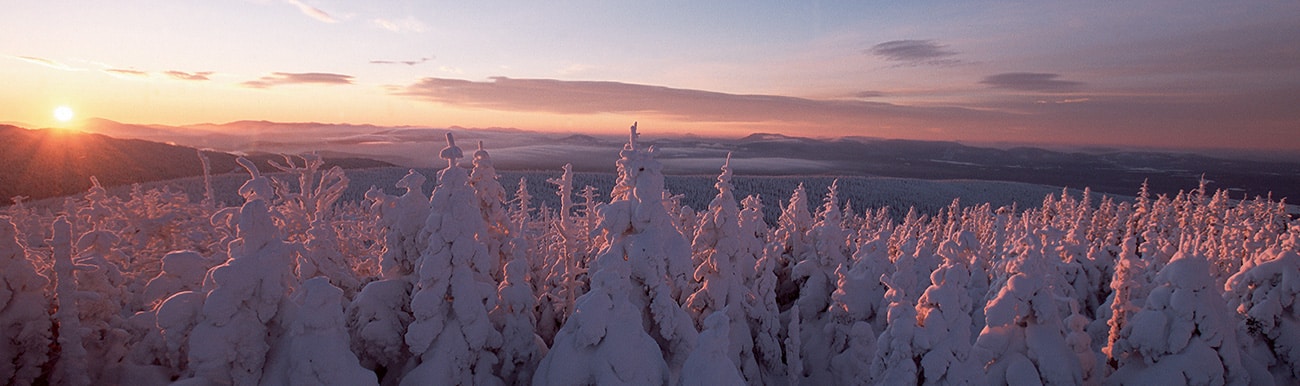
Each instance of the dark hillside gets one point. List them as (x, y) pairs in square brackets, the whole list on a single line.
[(49, 163)]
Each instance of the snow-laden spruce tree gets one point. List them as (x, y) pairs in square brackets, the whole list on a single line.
[(765, 322), (72, 365), (1023, 341), (159, 334), (711, 363), (105, 288), (491, 200), (856, 307), (1185, 334), (378, 316), (1267, 294), (521, 347), (451, 336), (944, 315), (181, 271), (830, 250), (603, 342), (728, 260), (898, 349), (320, 256), (1129, 289), (557, 272), (859, 293), (402, 220), (228, 345), (816, 273), (790, 243), (639, 231), (24, 312), (314, 347)]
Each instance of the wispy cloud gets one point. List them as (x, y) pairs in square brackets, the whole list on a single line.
[(126, 72), (182, 75), (289, 78), (47, 63), (406, 24), (406, 62), (914, 52), (1031, 81), (313, 12)]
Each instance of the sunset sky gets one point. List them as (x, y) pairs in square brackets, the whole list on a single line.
[(1165, 74)]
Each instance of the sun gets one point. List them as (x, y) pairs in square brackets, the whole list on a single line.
[(63, 113)]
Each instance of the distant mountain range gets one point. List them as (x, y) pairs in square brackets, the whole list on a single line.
[(1103, 170), (49, 163)]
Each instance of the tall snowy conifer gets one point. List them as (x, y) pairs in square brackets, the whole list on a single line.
[(491, 200), (71, 368), (230, 341), (728, 260), (1267, 295), (944, 315), (452, 336), (1184, 334), (24, 312), (640, 232), (314, 347), (1023, 341)]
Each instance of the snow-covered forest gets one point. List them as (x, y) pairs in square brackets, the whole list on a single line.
[(462, 286)]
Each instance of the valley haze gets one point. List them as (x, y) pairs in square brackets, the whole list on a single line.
[(1108, 170)]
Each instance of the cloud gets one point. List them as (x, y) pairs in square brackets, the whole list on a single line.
[(182, 75), (868, 94), (288, 78), (406, 62), (593, 97), (1031, 81), (47, 63), (914, 52), (126, 72), (406, 24), (313, 12)]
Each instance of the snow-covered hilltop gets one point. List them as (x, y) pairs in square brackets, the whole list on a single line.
[(461, 285)]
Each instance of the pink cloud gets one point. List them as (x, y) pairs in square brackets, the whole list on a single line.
[(182, 75), (289, 78)]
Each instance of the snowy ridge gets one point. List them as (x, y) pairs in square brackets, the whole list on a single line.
[(308, 281)]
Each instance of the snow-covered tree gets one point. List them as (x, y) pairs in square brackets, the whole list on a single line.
[(24, 316), (944, 316), (320, 256), (491, 200), (1023, 341), (791, 244), (711, 363), (641, 233), (1267, 295), (728, 260), (228, 345), (314, 347), (603, 342), (451, 336), (899, 345), (817, 278), (72, 366), (402, 220), (765, 321), (380, 313), (521, 347), (1184, 334)]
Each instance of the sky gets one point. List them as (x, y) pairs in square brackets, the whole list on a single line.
[(1156, 74)]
